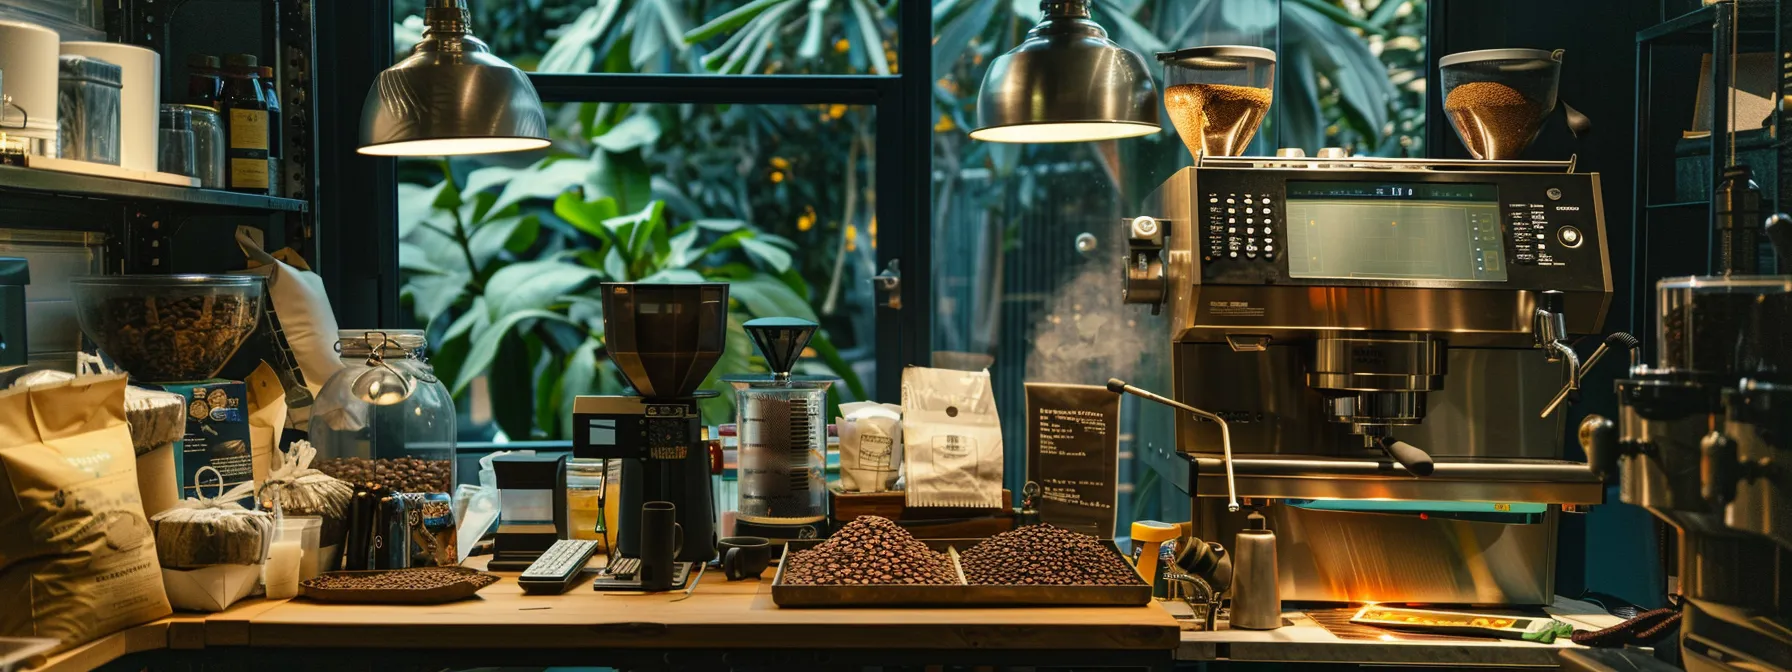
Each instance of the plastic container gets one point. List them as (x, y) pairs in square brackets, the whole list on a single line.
[(316, 556), (1498, 98), (87, 109), (168, 328), (1728, 326), (1217, 96), (385, 418), (280, 576)]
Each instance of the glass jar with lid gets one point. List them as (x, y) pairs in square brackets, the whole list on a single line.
[(385, 418)]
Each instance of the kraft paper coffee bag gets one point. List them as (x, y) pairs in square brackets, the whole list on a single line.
[(76, 557)]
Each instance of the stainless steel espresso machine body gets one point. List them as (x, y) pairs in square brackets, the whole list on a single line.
[(1382, 337)]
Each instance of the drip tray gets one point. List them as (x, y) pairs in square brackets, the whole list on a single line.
[(1337, 622)]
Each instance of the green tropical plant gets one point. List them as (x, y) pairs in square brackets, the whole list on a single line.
[(513, 300), (500, 255)]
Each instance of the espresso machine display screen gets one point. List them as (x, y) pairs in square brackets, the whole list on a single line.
[(1395, 231)]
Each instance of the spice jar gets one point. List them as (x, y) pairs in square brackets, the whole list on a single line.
[(385, 418)]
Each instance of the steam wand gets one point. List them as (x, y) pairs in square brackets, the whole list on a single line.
[(1118, 386), (1615, 341)]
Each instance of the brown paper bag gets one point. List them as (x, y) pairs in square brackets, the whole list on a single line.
[(267, 416), (76, 557)]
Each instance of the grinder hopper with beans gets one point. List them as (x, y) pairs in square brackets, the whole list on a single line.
[(1498, 99)]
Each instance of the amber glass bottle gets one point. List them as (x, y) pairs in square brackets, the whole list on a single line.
[(246, 126)]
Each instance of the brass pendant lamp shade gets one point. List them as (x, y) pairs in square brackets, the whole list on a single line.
[(451, 96), (1067, 82)]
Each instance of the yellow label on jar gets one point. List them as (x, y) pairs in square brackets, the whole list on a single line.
[(249, 129), (248, 173)]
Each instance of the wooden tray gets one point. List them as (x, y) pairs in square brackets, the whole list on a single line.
[(459, 590), (960, 595)]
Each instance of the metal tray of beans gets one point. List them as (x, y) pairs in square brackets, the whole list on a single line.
[(1128, 589), (422, 585)]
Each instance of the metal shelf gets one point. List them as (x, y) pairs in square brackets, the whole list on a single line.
[(52, 184), (1695, 26), (1677, 206)]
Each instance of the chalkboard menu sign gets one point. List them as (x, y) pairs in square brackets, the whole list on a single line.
[(1073, 453)]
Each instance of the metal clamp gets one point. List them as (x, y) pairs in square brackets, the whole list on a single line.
[(889, 282)]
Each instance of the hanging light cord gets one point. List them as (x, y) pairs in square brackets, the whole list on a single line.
[(1735, 37)]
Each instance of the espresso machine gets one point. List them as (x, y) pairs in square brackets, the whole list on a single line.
[(1382, 346), (1382, 338), (665, 338), (1703, 440)]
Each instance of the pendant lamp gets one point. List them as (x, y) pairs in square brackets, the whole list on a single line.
[(1067, 82), (451, 96)]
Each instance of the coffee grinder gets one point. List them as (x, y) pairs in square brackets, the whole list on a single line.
[(664, 338), (782, 420)]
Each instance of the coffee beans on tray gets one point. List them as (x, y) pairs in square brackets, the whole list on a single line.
[(1045, 555), (171, 339), (870, 551), (424, 578), (402, 474)]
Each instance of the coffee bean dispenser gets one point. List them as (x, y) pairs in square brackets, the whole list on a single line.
[(385, 418)]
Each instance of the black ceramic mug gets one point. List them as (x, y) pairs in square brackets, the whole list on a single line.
[(745, 557), (661, 540)]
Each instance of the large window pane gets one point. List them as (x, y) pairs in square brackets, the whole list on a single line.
[(501, 254), (680, 36), (1027, 240)]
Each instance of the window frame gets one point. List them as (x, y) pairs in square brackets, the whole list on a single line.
[(363, 273)]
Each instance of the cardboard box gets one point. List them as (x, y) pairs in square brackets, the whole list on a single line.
[(216, 453)]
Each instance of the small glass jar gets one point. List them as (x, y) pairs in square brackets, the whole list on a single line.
[(385, 418), (176, 142), (208, 146), (593, 499)]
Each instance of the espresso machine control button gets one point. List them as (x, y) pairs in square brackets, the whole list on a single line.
[(1570, 236)]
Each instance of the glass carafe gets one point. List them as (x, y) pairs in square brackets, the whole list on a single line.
[(782, 451), (385, 418)]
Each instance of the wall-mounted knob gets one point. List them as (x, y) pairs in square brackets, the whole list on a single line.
[(1718, 469)]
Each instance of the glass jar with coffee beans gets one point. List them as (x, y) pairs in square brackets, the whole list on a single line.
[(385, 418)]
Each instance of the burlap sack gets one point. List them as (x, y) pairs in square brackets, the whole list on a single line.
[(76, 557)]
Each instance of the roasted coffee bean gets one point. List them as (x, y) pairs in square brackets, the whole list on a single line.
[(402, 474), (423, 578), (870, 551), (1495, 121), (1045, 555), (1216, 119), (174, 338)]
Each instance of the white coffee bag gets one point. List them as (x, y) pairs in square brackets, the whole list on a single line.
[(952, 439), (870, 446)]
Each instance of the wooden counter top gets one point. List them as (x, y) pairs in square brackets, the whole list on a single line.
[(718, 615)]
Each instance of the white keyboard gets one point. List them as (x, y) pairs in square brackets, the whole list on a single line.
[(555, 570)]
